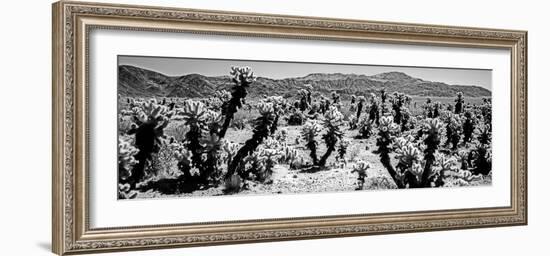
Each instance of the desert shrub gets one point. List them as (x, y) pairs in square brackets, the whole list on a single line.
[(232, 184), (296, 118), (298, 163), (378, 182), (163, 162), (239, 123)]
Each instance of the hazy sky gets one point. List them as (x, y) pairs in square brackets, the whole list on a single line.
[(278, 70)]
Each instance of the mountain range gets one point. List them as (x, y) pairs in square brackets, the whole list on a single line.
[(138, 82)]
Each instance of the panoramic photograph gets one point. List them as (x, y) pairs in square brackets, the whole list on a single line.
[(191, 127)]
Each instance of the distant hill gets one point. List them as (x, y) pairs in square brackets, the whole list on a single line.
[(139, 82)]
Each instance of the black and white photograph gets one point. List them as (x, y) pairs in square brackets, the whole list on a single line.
[(210, 127)]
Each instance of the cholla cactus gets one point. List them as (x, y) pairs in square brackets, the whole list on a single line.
[(325, 104), (383, 96), (195, 116), (193, 113), (464, 159), (405, 119), (409, 168), (343, 145), (432, 130), (462, 178), (374, 112), (413, 169), (243, 77), (295, 117), (407, 154), (262, 126), (305, 99), (202, 141), (482, 159), (442, 167), (459, 102), (333, 124), (310, 131), (278, 109), (468, 125), (281, 135), (360, 103), (126, 160), (432, 109), (259, 165), (335, 98), (386, 134), (289, 154), (398, 101), (484, 134), (223, 95), (213, 121), (353, 106), (271, 157), (365, 128), (486, 111), (309, 89), (453, 126), (242, 74), (125, 192), (352, 122), (219, 101), (184, 162), (353, 98), (361, 168), (229, 149), (150, 119)]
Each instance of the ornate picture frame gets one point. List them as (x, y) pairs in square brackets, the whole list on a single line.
[(72, 23)]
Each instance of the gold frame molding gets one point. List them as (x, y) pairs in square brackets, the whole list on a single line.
[(72, 22)]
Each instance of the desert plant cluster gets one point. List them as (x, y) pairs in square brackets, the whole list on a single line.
[(230, 143)]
